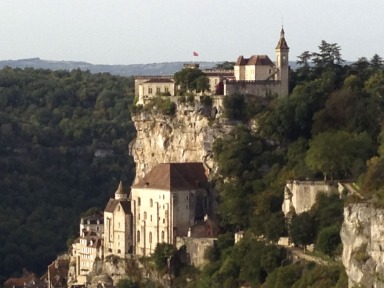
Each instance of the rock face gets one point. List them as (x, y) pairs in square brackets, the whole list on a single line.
[(362, 235), (187, 136)]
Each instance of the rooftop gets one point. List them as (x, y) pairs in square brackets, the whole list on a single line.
[(174, 176)]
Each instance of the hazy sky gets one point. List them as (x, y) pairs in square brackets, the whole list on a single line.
[(148, 31)]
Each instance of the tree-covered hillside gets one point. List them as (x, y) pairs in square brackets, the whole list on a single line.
[(63, 149), (328, 128)]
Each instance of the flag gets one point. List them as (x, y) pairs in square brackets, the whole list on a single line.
[(195, 53)]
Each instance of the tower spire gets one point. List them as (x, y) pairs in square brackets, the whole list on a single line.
[(119, 194), (282, 44)]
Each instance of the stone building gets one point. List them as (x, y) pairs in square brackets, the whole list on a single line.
[(87, 248), (118, 225), (258, 75), (170, 199), (148, 87), (93, 223)]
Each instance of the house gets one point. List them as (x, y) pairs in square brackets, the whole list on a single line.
[(94, 223), (86, 249), (258, 75), (57, 274), (166, 203), (118, 225), (27, 280)]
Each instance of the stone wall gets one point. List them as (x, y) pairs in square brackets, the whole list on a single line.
[(362, 235), (196, 248), (299, 196), (259, 88)]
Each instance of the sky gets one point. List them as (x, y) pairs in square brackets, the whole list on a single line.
[(156, 31)]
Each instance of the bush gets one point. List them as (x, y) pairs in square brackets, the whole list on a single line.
[(328, 240)]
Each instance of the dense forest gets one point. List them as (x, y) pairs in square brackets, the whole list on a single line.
[(63, 149)]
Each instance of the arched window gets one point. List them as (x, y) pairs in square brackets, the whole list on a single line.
[(150, 237), (138, 201), (145, 215), (138, 236)]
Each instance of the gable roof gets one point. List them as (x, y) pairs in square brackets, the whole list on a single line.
[(258, 60), (112, 204), (174, 176)]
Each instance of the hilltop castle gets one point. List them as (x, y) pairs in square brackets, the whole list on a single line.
[(256, 75)]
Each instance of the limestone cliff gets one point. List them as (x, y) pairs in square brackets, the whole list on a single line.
[(362, 235), (187, 136)]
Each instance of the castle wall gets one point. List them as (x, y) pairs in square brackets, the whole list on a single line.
[(196, 248), (301, 195), (259, 88)]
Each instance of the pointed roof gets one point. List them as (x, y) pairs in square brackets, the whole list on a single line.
[(120, 188), (174, 176), (282, 44)]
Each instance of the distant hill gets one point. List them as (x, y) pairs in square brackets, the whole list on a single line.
[(165, 68)]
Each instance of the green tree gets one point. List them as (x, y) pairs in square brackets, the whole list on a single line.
[(162, 253), (302, 230), (337, 152), (190, 80), (328, 240)]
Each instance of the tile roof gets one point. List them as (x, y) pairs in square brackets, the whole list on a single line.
[(258, 60), (174, 176), (112, 204)]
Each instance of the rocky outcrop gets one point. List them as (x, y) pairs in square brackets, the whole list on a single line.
[(187, 136), (362, 236)]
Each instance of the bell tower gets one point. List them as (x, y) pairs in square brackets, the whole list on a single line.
[(282, 64)]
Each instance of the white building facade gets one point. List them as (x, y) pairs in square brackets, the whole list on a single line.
[(166, 203)]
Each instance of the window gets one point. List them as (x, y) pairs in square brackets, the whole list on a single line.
[(145, 215), (118, 208), (166, 89), (138, 236), (138, 215), (157, 89), (149, 90), (150, 237), (151, 203), (162, 236), (164, 221), (151, 218), (138, 201)]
